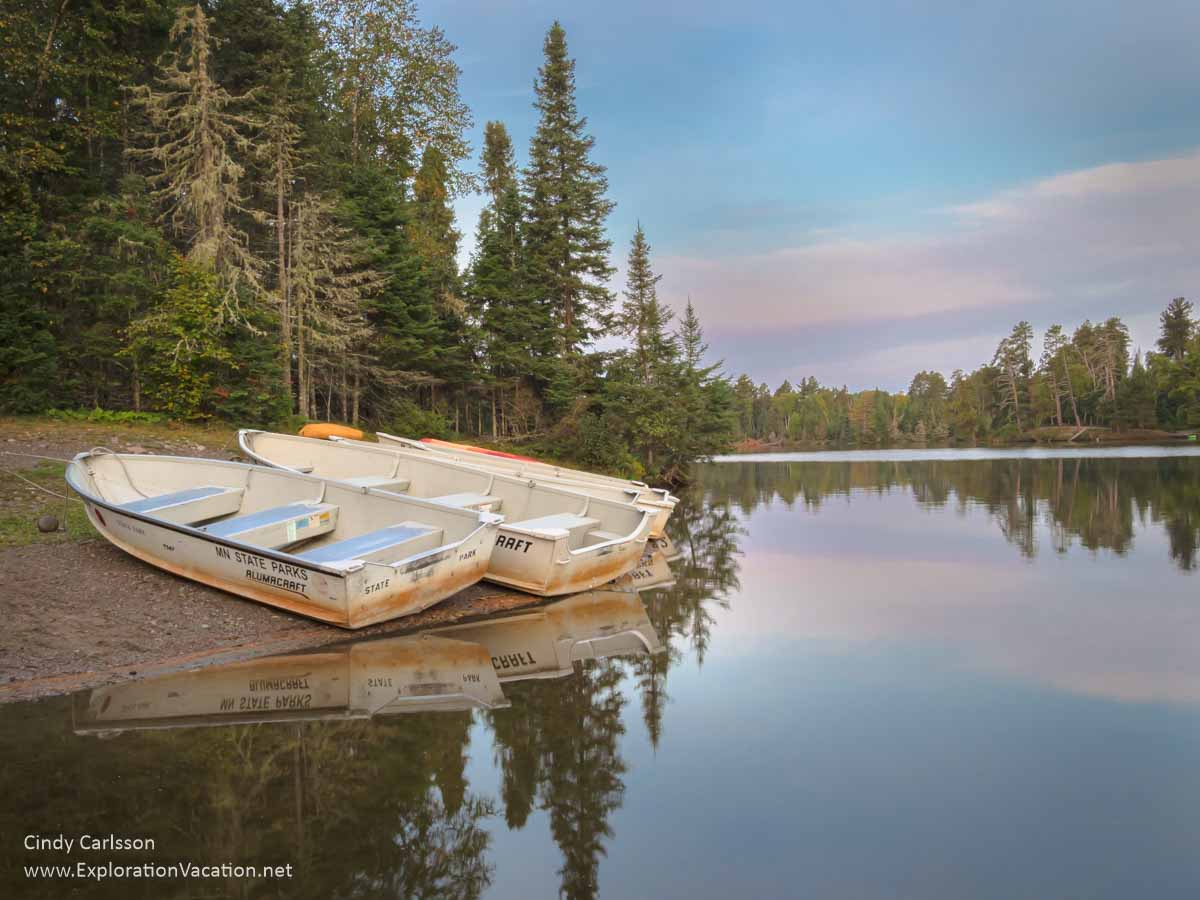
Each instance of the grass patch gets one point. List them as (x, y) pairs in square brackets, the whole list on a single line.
[(22, 504)]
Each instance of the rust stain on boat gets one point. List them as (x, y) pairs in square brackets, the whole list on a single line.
[(311, 610)]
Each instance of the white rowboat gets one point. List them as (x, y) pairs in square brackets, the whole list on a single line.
[(658, 502), (552, 541), (350, 556)]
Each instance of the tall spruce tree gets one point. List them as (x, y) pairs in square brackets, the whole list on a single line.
[(1177, 328), (435, 240), (566, 250), (643, 319), (499, 163), (515, 334)]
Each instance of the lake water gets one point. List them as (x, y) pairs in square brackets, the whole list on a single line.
[(884, 677)]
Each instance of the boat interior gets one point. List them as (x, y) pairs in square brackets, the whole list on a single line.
[(326, 524), (530, 508), (529, 468)]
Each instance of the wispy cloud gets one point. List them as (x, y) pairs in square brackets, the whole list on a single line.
[(1113, 239)]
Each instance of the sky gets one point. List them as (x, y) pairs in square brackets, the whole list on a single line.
[(860, 190)]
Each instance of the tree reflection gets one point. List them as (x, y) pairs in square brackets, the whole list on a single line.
[(360, 808), (556, 747), (1090, 501)]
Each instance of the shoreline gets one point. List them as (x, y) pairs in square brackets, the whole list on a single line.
[(1129, 438)]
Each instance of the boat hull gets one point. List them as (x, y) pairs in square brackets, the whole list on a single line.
[(371, 595), (550, 568)]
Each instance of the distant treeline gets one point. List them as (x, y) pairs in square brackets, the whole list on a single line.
[(1083, 379), (241, 209)]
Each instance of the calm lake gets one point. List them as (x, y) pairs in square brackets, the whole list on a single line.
[(881, 675)]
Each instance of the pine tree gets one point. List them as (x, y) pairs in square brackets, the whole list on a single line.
[(190, 142), (435, 240), (643, 319), (639, 379), (1136, 400), (280, 151), (565, 207), (499, 163), (432, 230), (329, 290), (407, 329), (1012, 359), (1177, 328), (706, 400)]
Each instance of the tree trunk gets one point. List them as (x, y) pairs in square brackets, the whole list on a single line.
[(44, 60), (305, 394), (285, 319), (1071, 393), (355, 395)]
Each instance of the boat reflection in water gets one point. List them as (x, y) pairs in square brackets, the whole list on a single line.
[(458, 668), (653, 573), (356, 681), (547, 642)]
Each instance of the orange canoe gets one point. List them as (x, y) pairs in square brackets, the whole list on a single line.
[(327, 430)]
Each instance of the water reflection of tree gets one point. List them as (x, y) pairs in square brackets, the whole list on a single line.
[(1091, 501), (556, 747), (705, 531), (361, 809)]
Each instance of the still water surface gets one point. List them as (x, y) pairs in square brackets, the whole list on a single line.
[(889, 677)]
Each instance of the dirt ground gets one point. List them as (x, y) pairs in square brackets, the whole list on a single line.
[(77, 612)]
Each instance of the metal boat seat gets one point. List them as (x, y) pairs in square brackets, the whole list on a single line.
[(575, 527), (383, 482), (189, 506), (385, 545), (278, 526), (481, 502)]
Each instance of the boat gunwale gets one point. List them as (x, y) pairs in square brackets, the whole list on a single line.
[(485, 519)]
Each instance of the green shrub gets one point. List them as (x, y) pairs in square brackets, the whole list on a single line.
[(106, 416)]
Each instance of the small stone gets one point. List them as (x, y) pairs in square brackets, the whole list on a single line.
[(47, 524)]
